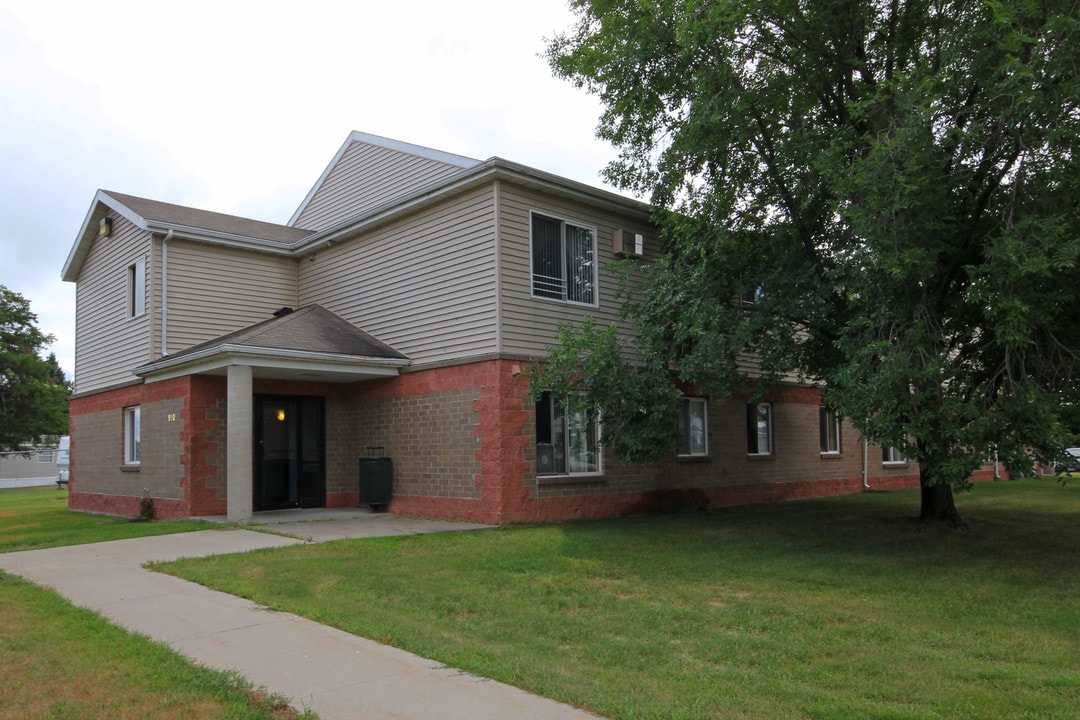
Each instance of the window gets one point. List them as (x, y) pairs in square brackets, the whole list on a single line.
[(829, 430), (137, 288), (693, 426), (892, 456), (132, 433), (563, 261), (566, 443), (759, 432)]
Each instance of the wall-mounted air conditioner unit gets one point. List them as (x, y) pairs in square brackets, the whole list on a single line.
[(627, 243)]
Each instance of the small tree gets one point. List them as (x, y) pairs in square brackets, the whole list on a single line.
[(879, 196), (33, 391)]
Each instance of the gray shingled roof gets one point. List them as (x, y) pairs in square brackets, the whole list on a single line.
[(206, 220), (310, 329)]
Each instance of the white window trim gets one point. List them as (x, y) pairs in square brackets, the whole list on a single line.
[(136, 288), (566, 434), (705, 429), (771, 434), (132, 435), (896, 457), (595, 253), (836, 430)]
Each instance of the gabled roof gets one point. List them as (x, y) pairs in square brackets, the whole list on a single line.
[(185, 222), (459, 161), (309, 343), (178, 216), (228, 230)]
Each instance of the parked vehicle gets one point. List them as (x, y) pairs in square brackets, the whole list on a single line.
[(1073, 463), (63, 462)]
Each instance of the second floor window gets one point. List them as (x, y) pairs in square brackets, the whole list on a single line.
[(137, 288), (563, 261)]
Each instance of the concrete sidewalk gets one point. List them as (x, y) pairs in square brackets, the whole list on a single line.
[(340, 676)]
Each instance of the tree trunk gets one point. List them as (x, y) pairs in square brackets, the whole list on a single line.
[(937, 502)]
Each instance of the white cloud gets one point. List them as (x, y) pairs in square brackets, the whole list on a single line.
[(239, 106)]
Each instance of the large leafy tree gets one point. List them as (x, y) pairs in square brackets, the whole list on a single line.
[(879, 196), (33, 391)]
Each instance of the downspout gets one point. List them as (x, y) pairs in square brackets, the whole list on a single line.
[(865, 463), (165, 293)]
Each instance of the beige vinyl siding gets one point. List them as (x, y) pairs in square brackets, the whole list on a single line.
[(214, 290), (424, 285), (108, 342), (529, 323), (365, 177)]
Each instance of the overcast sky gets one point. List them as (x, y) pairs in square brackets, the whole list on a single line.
[(238, 107)]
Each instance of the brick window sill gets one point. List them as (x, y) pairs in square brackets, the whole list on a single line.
[(545, 480), (129, 468), (691, 459)]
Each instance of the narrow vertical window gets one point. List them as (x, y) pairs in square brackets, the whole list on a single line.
[(132, 435), (137, 288), (759, 431), (829, 430), (693, 427)]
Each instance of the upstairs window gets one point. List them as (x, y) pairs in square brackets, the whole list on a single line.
[(136, 283), (566, 443), (759, 429), (693, 427), (563, 261), (829, 430)]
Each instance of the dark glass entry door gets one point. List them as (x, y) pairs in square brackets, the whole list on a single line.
[(290, 457)]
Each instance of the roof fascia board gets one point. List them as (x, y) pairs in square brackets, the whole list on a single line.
[(379, 141), (222, 356), (490, 170), (86, 233), (186, 232)]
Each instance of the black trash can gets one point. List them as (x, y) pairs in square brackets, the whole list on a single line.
[(376, 479)]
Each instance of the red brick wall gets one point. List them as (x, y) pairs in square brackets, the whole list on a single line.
[(462, 439), (100, 480), (205, 442)]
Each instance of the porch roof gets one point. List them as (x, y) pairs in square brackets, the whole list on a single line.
[(311, 343)]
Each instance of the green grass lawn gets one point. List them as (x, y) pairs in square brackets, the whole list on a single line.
[(837, 608), (61, 662), (38, 517)]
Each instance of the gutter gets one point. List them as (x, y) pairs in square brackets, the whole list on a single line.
[(491, 170), (165, 293), (865, 463)]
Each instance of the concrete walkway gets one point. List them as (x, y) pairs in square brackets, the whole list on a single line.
[(340, 676)]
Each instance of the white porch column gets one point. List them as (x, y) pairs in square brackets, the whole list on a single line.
[(239, 448)]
